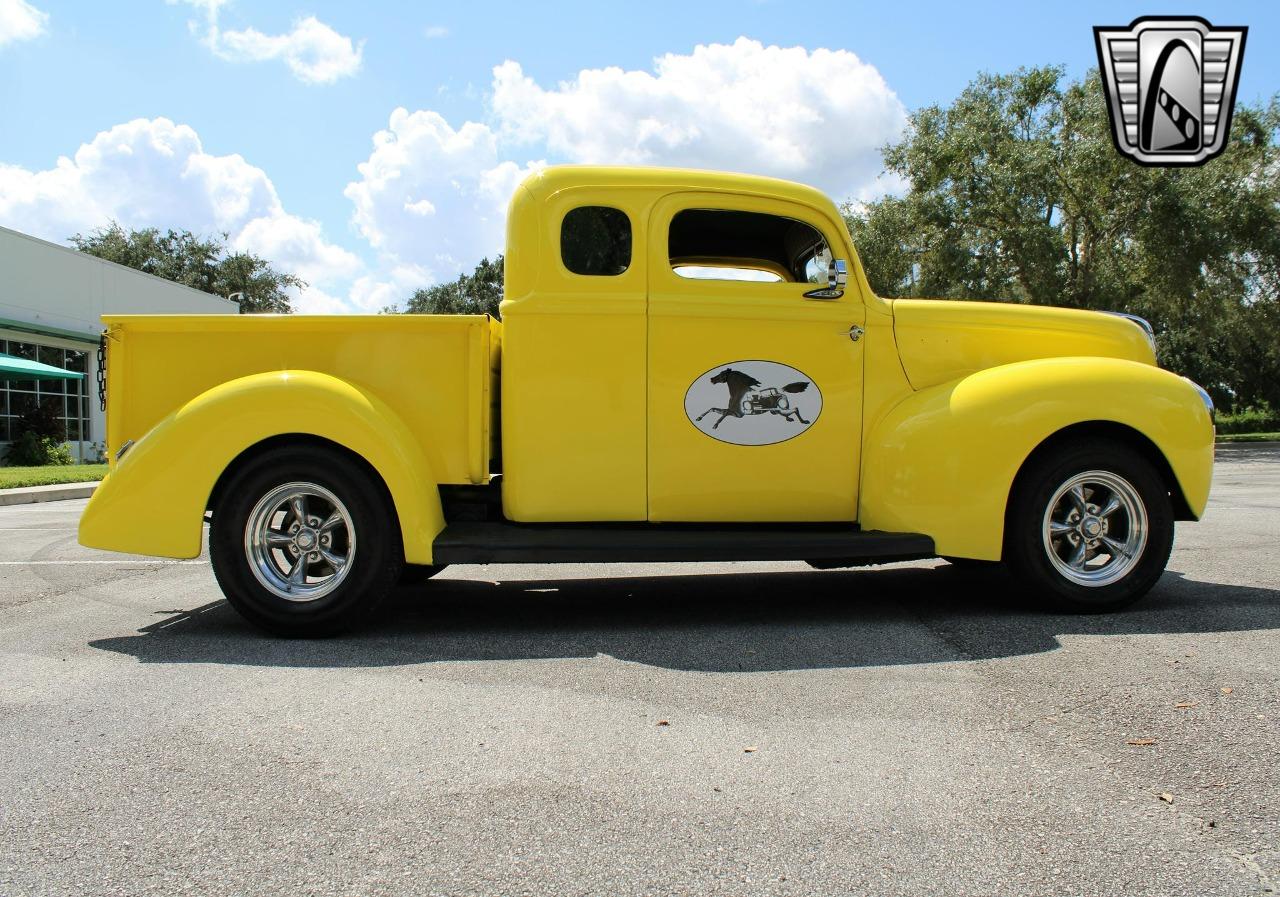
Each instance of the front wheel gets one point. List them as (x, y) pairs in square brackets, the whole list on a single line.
[(1090, 527), (304, 541)]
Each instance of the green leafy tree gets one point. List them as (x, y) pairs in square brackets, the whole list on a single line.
[(202, 263), (477, 293), (1017, 194)]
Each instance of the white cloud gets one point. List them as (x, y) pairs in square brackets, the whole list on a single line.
[(431, 32), (154, 173), (372, 293), (818, 116), (298, 246), (313, 301), (314, 52), (431, 198), (434, 196), (20, 21)]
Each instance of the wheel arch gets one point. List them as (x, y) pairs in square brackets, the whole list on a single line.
[(944, 460), (1094, 431), (291, 440), (155, 497)]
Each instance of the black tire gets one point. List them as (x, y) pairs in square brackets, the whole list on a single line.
[(374, 565), (417, 574), (1027, 547)]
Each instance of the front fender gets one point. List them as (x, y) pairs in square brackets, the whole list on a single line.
[(154, 499), (942, 462)]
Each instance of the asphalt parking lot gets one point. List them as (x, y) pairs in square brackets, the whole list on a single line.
[(657, 729)]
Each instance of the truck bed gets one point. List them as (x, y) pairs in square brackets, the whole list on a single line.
[(437, 372)]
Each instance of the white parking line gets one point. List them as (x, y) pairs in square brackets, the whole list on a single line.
[(69, 563)]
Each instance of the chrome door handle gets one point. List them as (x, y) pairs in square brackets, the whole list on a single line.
[(855, 333)]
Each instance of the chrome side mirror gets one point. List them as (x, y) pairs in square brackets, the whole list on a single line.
[(837, 277)]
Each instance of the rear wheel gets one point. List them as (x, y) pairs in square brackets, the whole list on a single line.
[(304, 541), (1090, 527)]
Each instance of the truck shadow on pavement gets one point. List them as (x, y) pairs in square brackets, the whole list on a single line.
[(727, 622)]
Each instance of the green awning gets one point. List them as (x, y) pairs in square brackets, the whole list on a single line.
[(12, 368)]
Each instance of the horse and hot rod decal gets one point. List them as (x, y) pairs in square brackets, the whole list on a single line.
[(753, 402)]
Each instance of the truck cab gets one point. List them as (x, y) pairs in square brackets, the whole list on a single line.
[(689, 366)]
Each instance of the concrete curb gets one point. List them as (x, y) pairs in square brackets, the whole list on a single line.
[(58, 492)]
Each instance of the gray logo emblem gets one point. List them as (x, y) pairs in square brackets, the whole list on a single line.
[(1170, 85), (752, 402)]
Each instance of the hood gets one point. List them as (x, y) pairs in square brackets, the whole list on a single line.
[(940, 340)]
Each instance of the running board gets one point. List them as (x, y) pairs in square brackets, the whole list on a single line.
[(502, 542)]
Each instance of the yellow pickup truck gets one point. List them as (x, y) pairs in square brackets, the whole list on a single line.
[(690, 366)]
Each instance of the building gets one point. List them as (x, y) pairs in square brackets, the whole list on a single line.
[(51, 302)]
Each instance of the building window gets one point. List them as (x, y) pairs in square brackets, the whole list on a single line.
[(596, 240), (67, 399)]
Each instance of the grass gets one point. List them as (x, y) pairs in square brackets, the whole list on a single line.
[(16, 477), (1249, 437)]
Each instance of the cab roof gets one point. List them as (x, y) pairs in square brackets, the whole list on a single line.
[(549, 181)]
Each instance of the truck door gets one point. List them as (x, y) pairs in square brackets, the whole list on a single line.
[(754, 389), (573, 360)]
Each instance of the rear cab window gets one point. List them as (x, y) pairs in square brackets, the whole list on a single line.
[(596, 241)]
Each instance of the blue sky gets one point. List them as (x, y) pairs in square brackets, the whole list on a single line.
[(256, 118)]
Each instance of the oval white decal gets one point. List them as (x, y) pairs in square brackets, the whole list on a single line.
[(753, 402)]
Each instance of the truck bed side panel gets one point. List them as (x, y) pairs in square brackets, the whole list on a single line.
[(433, 371)]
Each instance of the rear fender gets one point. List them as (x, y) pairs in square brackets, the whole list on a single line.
[(943, 461), (154, 499)]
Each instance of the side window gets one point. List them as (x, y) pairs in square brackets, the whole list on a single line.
[(596, 240), (719, 244), (726, 272)]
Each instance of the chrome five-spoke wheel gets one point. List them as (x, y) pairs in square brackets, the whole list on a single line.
[(300, 541), (1095, 528), (283, 539), (1089, 526)]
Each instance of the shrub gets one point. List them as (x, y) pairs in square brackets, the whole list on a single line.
[(30, 450), (39, 440), (1250, 420)]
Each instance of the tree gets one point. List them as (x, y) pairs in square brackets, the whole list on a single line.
[(204, 264), (1016, 193), (477, 293)]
